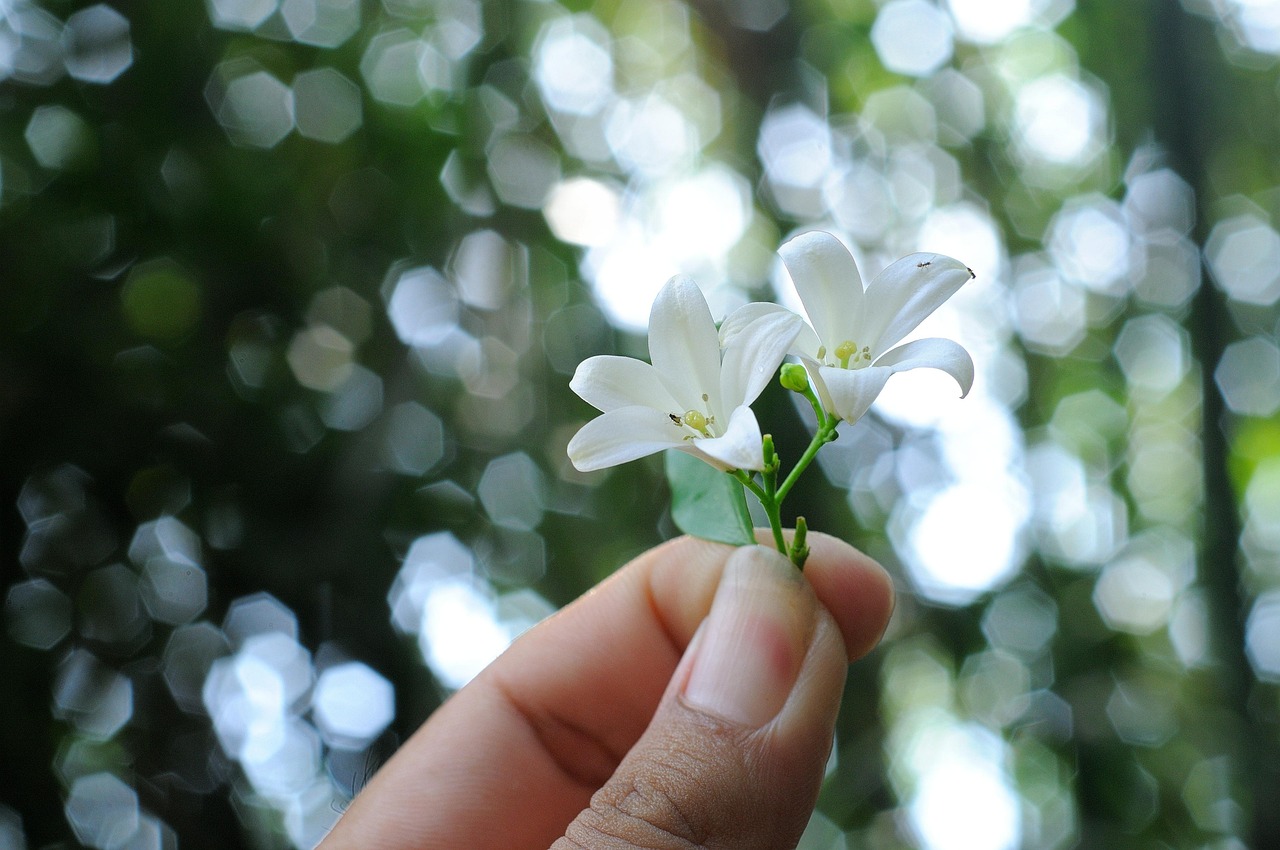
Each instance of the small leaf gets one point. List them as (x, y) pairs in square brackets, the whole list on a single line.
[(706, 502)]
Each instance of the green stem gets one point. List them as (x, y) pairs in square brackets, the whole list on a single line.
[(826, 433), (768, 502), (770, 494)]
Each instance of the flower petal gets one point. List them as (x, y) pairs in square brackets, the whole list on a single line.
[(944, 354), (684, 344), (827, 280), (607, 382), (620, 435), (853, 390), (806, 342), (739, 447), (814, 368), (753, 354), (904, 294)]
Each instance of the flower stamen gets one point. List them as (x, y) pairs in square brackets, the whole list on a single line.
[(695, 420)]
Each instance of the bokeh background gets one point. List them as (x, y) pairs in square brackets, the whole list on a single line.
[(291, 291)]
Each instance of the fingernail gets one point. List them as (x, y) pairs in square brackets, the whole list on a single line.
[(753, 641)]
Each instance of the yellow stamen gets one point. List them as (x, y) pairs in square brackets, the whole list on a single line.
[(696, 421), (844, 351)]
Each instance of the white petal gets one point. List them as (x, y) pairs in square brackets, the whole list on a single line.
[(806, 342), (684, 344), (752, 357), (943, 354), (621, 435), (740, 445), (904, 294), (814, 368), (737, 321), (607, 382), (827, 280), (853, 390)]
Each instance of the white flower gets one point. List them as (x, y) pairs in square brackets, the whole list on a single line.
[(693, 397), (849, 352)]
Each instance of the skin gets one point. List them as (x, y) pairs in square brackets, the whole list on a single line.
[(581, 735)]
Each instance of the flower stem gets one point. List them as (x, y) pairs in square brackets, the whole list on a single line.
[(826, 433), (770, 494)]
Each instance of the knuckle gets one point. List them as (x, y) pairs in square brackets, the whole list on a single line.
[(668, 806)]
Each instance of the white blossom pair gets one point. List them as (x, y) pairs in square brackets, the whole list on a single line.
[(696, 394)]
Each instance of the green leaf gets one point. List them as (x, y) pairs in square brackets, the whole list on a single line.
[(706, 502)]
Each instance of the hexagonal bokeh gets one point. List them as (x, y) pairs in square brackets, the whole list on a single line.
[(323, 23), (573, 64), (1169, 270), (414, 441), (1090, 242), (1248, 376), (95, 44), (254, 108), (1049, 311), (166, 537), (486, 269), (1154, 352), (258, 613), (354, 402), (390, 67), (102, 810), (959, 103), (187, 657), (1262, 636), (423, 307), (59, 138), (37, 614), (1243, 254), (522, 170), (320, 358), (96, 698), (512, 491), (173, 590), (344, 311), (431, 559), (1160, 200), (240, 14), (912, 37), (1136, 592), (33, 48), (1021, 619), (326, 105), (1059, 123), (352, 705), (1143, 713)]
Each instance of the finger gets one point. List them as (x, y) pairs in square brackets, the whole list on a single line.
[(736, 752), (543, 727)]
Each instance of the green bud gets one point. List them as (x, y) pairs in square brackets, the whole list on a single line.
[(793, 377)]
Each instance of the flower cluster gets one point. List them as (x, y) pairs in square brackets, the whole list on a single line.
[(696, 392)]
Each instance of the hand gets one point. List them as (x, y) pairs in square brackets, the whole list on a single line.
[(687, 701)]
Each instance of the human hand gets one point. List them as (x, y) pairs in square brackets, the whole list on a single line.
[(687, 701)]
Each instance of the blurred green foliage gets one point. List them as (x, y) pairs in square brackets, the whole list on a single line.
[(200, 255)]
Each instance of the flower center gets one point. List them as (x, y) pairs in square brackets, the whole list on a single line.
[(852, 357), (697, 421)]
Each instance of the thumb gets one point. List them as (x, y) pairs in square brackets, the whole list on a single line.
[(736, 750)]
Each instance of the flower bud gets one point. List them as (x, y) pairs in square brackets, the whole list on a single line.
[(793, 377)]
